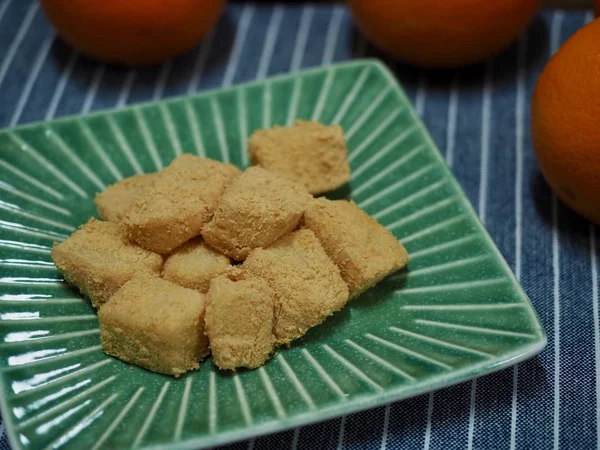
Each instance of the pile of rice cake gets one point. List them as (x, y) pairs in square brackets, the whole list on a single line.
[(202, 258)]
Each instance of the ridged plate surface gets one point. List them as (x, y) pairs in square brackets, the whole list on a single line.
[(457, 313)]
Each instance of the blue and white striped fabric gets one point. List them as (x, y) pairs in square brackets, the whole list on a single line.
[(479, 118)]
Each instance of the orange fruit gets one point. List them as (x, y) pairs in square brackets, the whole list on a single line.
[(442, 33), (565, 115), (132, 31)]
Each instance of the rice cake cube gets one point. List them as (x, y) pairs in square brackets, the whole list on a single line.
[(307, 284), (194, 264), (98, 259), (155, 324), (181, 201), (239, 321), (256, 209), (113, 203), (363, 249), (307, 153)]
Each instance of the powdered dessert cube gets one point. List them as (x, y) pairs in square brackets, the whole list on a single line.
[(155, 324), (239, 321), (98, 259), (181, 201), (308, 153), (364, 250), (307, 284), (194, 264), (256, 209), (113, 203)]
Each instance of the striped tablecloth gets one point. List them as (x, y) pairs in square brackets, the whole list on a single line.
[(479, 118)]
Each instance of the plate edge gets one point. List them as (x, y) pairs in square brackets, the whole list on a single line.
[(465, 200), (374, 62), (359, 404)]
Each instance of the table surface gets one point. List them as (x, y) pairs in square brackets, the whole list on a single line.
[(479, 119)]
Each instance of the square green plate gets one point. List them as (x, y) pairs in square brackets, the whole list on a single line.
[(455, 314)]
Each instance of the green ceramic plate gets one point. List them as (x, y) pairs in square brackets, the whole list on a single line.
[(457, 313)]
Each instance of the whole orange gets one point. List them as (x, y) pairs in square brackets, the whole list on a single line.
[(566, 121), (442, 33), (132, 31)]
